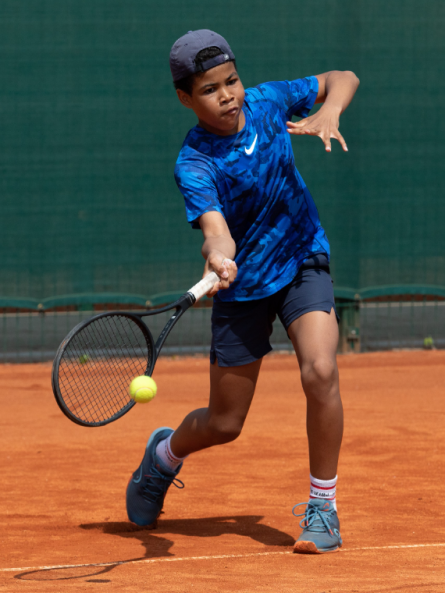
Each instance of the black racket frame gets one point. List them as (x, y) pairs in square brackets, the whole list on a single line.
[(181, 305)]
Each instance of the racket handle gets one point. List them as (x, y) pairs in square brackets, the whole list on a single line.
[(203, 287)]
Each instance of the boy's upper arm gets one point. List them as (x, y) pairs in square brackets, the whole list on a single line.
[(321, 95), (197, 185), (213, 224)]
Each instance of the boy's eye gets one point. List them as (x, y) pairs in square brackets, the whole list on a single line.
[(208, 91), (232, 81)]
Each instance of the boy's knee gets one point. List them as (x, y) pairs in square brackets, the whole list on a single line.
[(223, 430), (319, 376)]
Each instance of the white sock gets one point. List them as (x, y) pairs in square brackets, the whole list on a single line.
[(164, 452), (325, 489)]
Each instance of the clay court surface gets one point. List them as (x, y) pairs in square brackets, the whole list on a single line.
[(63, 519)]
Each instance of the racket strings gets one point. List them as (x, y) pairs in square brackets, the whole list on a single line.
[(98, 365), (101, 358), (116, 398)]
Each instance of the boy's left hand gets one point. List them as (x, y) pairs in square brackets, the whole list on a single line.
[(324, 123)]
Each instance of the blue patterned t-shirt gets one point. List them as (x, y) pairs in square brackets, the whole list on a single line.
[(251, 179)]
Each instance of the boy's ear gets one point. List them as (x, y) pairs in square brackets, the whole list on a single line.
[(185, 99)]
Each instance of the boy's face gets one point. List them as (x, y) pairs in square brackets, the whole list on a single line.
[(217, 98)]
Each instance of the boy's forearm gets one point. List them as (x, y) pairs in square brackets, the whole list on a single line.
[(219, 252), (222, 243), (340, 89)]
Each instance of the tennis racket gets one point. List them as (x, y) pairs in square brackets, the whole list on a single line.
[(99, 358)]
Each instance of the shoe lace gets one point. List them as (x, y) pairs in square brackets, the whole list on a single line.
[(157, 484), (315, 518)]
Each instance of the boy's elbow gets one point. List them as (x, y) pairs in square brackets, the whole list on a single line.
[(344, 75), (353, 77)]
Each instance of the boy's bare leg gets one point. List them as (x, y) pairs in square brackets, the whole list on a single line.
[(315, 338), (231, 393)]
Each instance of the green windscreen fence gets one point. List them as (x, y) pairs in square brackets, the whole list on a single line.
[(91, 128)]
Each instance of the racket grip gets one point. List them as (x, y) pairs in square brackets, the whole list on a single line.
[(204, 285)]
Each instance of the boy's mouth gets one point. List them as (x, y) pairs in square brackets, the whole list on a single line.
[(232, 111)]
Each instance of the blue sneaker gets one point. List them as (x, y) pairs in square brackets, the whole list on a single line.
[(148, 486), (321, 528)]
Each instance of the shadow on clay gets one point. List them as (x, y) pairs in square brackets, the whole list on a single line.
[(158, 546)]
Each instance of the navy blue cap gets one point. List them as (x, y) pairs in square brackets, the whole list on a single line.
[(185, 49)]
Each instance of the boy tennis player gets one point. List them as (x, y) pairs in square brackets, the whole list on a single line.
[(263, 237)]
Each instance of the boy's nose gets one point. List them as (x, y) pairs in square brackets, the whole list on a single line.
[(226, 95)]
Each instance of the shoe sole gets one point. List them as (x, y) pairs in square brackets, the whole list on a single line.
[(309, 547)]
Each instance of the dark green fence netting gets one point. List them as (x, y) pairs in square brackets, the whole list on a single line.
[(91, 128)]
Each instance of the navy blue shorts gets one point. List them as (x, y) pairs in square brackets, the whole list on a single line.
[(241, 329)]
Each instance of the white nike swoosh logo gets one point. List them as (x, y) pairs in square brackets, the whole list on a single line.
[(250, 150), (136, 481)]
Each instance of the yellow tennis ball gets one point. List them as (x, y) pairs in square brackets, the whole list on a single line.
[(143, 389)]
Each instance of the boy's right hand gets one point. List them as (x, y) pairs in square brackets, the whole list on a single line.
[(224, 267), (218, 249)]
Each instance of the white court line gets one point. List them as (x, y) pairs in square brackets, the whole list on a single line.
[(222, 556)]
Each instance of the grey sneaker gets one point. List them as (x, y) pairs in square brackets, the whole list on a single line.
[(321, 528), (148, 485)]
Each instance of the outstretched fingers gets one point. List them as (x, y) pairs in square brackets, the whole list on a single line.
[(303, 128), (298, 128), (327, 140), (342, 141)]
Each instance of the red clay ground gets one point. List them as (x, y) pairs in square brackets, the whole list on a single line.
[(231, 528)]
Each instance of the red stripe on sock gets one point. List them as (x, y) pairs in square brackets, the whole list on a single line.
[(170, 455), (323, 487)]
